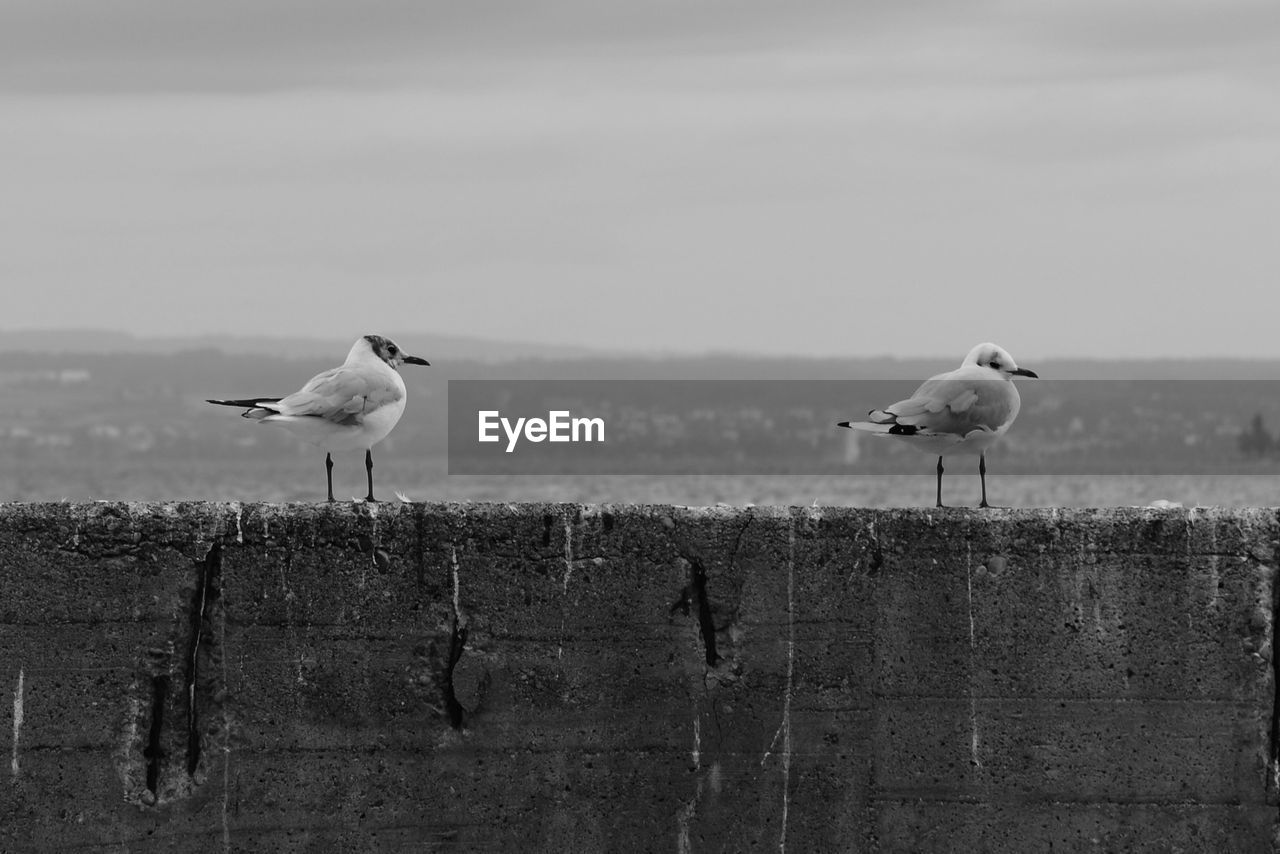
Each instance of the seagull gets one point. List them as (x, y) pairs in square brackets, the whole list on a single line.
[(960, 412), (353, 406)]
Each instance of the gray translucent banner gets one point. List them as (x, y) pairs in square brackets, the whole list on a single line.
[(737, 427)]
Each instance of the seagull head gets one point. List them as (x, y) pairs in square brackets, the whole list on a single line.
[(386, 350), (997, 358)]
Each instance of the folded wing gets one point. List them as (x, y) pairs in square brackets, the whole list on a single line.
[(338, 395), (945, 407)]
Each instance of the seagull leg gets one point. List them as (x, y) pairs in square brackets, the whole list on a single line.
[(368, 468), (328, 472), (982, 475), (939, 481)]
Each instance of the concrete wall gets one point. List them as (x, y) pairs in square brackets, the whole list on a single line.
[(204, 677)]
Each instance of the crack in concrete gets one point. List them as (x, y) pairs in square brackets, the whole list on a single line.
[(784, 728), (698, 583), (568, 553), (1274, 729), (226, 734), (194, 647), (689, 811), (18, 701), (419, 548), (568, 576), (154, 751), (457, 644), (695, 594), (973, 703), (206, 594)]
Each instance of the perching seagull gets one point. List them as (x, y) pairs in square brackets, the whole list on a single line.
[(960, 412), (354, 406)]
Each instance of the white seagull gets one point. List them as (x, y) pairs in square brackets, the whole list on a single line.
[(960, 412), (354, 406)]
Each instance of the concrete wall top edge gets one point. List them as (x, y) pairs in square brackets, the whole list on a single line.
[(949, 514)]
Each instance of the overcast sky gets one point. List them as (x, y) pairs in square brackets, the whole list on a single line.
[(1091, 178)]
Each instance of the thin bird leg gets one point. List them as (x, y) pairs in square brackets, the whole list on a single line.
[(328, 472), (939, 481), (368, 467), (982, 474)]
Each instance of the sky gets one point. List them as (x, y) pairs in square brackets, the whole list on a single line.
[(1095, 178)]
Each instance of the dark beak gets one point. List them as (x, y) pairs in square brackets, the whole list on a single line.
[(414, 360), (1023, 372)]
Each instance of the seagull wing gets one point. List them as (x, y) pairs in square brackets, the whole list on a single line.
[(954, 405), (939, 394), (340, 395)]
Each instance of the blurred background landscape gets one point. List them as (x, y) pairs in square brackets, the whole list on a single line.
[(101, 415)]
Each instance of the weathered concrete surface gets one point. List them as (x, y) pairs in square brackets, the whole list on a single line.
[(206, 677)]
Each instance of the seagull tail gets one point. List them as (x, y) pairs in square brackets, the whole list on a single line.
[(253, 406), (866, 426), (881, 422)]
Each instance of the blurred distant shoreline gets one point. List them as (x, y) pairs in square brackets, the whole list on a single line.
[(110, 415)]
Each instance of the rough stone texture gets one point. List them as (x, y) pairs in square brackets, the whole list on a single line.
[(560, 678)]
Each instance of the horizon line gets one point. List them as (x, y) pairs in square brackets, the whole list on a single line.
[(593, 350)]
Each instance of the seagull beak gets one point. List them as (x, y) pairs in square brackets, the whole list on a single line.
[(1023, 372), (414, 360)]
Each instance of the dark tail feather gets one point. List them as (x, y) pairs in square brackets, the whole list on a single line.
[(247, 403), (839, 424)]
